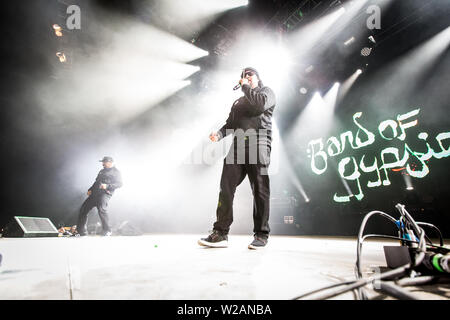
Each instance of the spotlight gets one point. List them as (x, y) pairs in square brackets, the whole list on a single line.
[(349, 41), (342, 10), (408, 182), (61, 56), (58, 30), (366, 51), (359, 71), (303, 90), (235, 3), (309, 69)]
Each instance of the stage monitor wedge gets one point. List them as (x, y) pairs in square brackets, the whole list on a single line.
[(28, 227)]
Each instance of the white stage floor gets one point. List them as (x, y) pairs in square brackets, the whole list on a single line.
[(173, 266)]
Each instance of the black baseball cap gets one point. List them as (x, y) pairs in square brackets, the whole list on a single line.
[(107, 159), (249, 69)]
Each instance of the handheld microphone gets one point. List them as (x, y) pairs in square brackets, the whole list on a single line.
[(237, 86)]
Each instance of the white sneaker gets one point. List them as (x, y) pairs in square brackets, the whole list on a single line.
[(214, 240)]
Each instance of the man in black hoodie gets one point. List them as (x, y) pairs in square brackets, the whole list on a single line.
[(250, 121), (108, 180)]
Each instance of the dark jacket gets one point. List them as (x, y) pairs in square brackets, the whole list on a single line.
[(109, 176), (252, 111)]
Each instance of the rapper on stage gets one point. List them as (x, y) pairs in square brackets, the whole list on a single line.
[(250, 123), (99, 194)]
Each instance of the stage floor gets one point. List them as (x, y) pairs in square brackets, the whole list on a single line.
[(173, 266)]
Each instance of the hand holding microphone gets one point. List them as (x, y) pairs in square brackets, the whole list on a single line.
[(214, 137), (241, 83)]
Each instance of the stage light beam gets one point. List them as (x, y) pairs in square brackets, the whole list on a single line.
[(349, 41), (408, 182), (401, 77), (270, 57), (347, 85), (308, 36), (331, 96), (188, 17)]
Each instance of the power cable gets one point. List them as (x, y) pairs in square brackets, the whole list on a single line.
[(410, 233)]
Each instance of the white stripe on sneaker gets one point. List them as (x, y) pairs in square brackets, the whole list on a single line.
[(220, 244)]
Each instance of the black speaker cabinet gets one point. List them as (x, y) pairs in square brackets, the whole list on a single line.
[(27, 227)]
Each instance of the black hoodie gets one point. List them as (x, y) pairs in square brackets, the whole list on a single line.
[(109, 176), (252, 111)]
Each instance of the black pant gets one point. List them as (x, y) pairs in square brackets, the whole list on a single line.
[(232, 176), (100, 201)]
